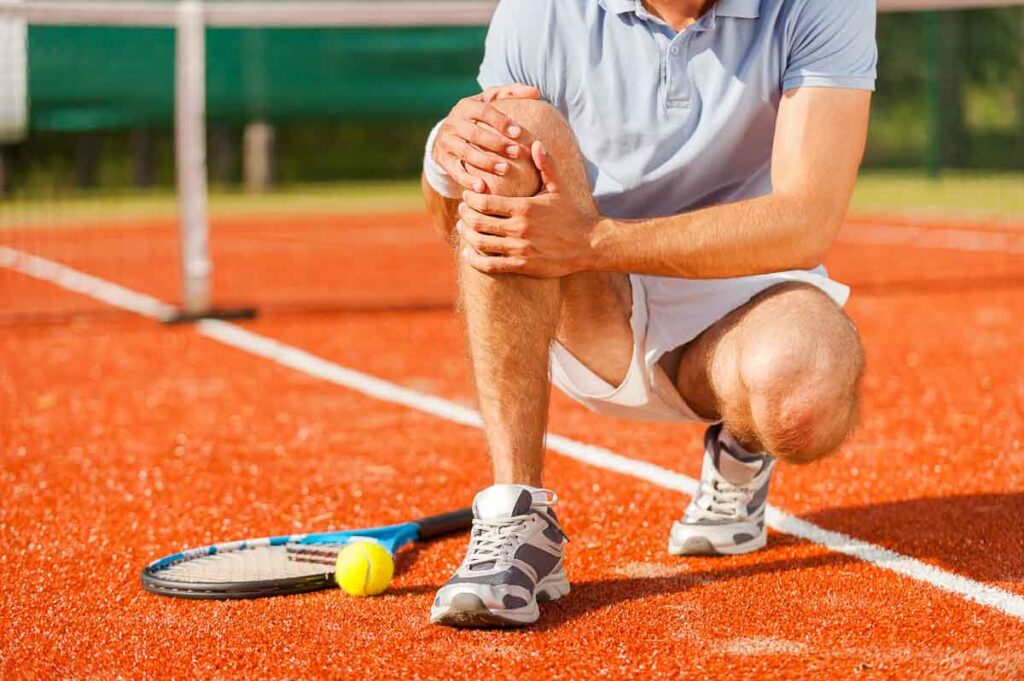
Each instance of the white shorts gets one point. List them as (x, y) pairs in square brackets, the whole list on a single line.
[(668, 313)]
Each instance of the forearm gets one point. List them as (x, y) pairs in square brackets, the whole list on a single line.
[(818, 145), (771, 233)]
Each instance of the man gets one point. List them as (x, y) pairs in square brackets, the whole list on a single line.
[(640, 201)]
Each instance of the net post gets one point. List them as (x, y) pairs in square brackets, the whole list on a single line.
[(13, 79), (190, 156)]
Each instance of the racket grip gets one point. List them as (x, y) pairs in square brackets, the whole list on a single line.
[(445, 523)]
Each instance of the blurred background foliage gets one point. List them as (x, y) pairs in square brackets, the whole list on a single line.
[(950, 96)]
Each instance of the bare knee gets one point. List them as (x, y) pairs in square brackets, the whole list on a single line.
[(538, 120), (801, 378)]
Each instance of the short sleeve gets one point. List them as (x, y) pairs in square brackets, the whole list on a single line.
[(832, 44), (509, 55)]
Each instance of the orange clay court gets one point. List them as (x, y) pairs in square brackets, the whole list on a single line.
[(125, 439)]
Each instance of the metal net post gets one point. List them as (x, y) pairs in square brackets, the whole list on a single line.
[(190, 149)]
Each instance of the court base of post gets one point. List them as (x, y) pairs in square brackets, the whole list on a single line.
[(224, 314)]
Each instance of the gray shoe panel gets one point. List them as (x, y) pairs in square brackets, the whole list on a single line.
[(760, 496), (523, 504), (553, 531), (512, 577), (541, 561)]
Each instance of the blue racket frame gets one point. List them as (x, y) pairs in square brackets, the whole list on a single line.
[(391, 537)]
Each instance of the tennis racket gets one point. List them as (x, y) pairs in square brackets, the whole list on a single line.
[(288, 564)]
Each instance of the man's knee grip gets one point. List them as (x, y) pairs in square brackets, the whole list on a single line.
[(538, 120)]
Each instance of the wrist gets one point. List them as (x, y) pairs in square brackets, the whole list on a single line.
[(600, 248), (436, 176)]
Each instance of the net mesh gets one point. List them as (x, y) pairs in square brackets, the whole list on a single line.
[(314, 141)]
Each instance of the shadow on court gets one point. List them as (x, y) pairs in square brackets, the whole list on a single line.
[(980, 536), (591, 595)]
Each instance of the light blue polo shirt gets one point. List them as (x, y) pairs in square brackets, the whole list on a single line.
[(670, 122)]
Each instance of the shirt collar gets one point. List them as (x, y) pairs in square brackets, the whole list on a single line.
[(619, 6), (740, 9)]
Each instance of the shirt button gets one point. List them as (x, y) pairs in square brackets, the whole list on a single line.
[(674, 50)]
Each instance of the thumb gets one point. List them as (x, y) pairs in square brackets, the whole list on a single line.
[(549, 174)]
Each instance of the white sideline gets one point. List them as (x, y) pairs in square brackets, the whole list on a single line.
[(286, 355), (79, 282)]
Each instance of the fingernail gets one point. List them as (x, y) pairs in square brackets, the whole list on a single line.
[(501, 168), (465, 252), (458, 226), (513, 131), (513, 150)]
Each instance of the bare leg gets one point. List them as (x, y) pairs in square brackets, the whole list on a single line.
[(511, 320), (782, 372)]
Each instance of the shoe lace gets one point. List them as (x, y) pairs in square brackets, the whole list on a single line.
[(720, 498), (493, 540)]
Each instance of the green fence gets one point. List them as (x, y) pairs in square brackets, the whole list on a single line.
[(357, 102), (87, 79)]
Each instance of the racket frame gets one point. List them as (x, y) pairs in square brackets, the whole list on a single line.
[(392, 537)]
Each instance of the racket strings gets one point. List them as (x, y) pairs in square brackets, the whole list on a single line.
[(323, 554), (254, 564)]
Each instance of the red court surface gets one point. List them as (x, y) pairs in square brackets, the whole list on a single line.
[(123, 440)]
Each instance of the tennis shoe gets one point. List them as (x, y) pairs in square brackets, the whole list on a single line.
[(726, 516), (514, 560)]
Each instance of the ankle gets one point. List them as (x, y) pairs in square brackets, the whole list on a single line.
[(530, 480), (742, 448)]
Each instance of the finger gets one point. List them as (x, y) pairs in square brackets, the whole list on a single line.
[(491, 204), (549, 174), (484, 224), (486, 139), (482, 160), (490, 264), (453, 166), (486, 113), (513, 91), (488, 244)]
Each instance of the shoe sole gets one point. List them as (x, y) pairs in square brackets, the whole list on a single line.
[(467, 610), (702, 546)]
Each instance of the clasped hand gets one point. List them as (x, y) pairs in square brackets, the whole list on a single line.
[(549, 234)]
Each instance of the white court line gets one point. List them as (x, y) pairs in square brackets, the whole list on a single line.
[(79, 282), (599, 457)]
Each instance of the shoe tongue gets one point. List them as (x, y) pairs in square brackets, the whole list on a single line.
[(738, 471), (502, 501)]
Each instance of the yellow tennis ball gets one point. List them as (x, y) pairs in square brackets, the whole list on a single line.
[(364, 568)]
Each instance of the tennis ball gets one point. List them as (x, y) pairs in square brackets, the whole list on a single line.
[(364, 568)]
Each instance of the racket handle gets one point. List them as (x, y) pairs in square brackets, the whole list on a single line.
[(445, 523)]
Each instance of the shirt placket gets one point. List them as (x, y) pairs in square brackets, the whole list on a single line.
[(678, 88)]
